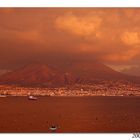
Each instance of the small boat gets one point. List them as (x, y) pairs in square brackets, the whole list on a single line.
[(3, 96), (53, 128), (32, 98)]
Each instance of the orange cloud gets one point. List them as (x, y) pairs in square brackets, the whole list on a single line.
[(122, 56), (79, 25), (105, 34), (24, 36), (130, 38), (33, 36)]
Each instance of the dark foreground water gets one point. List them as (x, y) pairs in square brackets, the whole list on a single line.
[(70, 114)]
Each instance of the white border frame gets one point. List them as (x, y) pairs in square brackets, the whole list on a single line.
[(70, 3), (66, 136)]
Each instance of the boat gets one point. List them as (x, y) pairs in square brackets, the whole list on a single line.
[(32, 98), (3, 96), (53, 128)]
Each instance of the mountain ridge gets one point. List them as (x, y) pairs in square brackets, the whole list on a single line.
[(52, 76)]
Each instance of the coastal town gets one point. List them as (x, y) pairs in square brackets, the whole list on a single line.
[(76, 90)]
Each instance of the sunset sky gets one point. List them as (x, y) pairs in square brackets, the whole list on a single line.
[(51, 35)]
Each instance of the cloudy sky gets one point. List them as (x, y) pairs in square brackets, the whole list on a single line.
[(49, 35)]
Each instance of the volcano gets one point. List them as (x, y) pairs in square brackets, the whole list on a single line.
[(37, 75), (70, 74)]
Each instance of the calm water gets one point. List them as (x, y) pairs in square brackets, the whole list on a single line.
[(70, 114)]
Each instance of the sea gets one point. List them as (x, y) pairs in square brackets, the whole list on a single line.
[(99, 114)]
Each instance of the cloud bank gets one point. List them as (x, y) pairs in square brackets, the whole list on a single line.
[(111, 36)]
